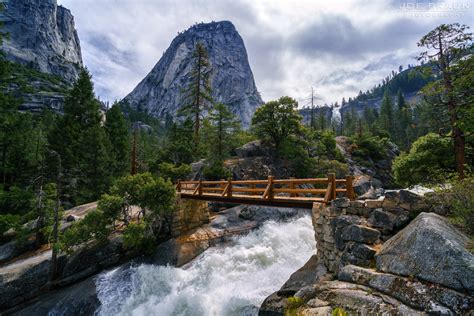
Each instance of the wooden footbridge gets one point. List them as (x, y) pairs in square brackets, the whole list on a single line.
[(273, 192)]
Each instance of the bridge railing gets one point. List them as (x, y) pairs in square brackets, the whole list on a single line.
[(312, 189)]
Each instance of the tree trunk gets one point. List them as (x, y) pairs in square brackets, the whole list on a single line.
[(458, 135)]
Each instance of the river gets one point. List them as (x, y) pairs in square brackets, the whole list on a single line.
[(230, 279)]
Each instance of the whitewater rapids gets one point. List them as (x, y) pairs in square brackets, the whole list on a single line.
[(231, 279)]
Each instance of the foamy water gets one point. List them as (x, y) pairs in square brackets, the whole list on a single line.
[(231, 279)]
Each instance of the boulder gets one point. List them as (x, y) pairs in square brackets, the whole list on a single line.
[(357, 299), (251, 149), (431, 249), (362, 184), (307, 275), (23, 279), (358, 254), (79, 299), (383, 220), (360, 233), (430, 298)]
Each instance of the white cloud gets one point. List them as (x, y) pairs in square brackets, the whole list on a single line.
[(339, 47)]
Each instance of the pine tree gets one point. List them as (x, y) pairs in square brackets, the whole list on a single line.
[(197, 96), (117, 133), (82, 144), (443, 46), (321, 119), (224, 125), (386, 117)]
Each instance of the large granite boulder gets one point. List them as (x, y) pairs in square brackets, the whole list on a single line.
[(431, 249), (252, 149), (430, 298)]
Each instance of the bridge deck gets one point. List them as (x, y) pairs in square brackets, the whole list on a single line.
[(292, 192)]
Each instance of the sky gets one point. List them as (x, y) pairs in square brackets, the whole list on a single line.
[(338, 47)]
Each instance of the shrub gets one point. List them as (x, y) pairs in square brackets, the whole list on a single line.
[(322, 167), (95, 226), (138, 238), (173, 172), (338, 311), (143, 190), (430, 160), (368, 146), (216, 171), (458, 197), (8, 221), (292, 305)]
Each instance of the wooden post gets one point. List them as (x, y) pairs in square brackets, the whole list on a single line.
[(292, 187), (222, 185), (349, 188), (178, 186), (253, 186), (270, 187), (229, 189), (332, 180), (200, 187)]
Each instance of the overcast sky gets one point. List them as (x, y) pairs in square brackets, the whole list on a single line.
[(339, 47)]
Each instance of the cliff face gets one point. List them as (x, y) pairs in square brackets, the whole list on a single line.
[(232, 82), (42, 35)]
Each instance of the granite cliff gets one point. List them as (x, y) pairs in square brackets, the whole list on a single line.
[(232, 82), (42, 35)]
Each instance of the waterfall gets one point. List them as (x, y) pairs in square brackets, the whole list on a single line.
[(230, 279)]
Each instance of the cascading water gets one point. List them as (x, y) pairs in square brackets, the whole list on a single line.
[(231, 279)]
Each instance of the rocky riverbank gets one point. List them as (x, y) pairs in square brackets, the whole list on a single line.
[(373, 259), (25, 288)]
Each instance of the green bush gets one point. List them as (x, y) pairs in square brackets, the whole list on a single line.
[(173, 172), (430, 160), (8, 221), (95, 226), (368, 146), (138, 238), (323, 166), (293, 150), (292, 304), (16, 200), (458, 197), (338, 311), (216, 171)]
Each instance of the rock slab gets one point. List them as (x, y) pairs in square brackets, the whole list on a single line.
[(431, 249)]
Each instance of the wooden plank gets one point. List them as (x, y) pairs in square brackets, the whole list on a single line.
[(302, 181), (349, 188), (294, 191), (341, 190), (327, 197), (292, 186), (268, 194), (178, 186), (332, 179), (226, 189), (256, 190), (214, 182), (229, 190), (212, 189), (257, 200), (248, 182), (196, 190)]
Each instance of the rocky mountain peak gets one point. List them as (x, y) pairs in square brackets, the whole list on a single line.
[(232, 82), (42, 34)]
